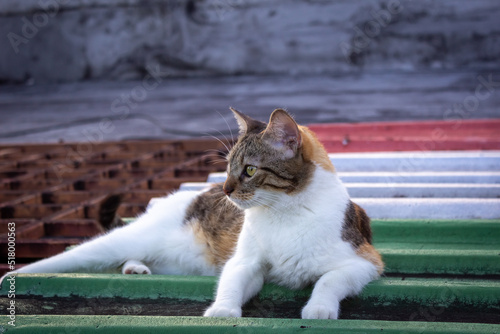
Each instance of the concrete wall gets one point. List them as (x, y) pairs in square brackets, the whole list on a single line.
[(45, 41)]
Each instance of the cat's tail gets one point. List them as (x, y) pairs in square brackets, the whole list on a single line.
[(108, 217)]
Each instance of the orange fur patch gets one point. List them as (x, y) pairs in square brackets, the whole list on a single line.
[(313, 150), (216, 224), (368, 252), (218, 249)]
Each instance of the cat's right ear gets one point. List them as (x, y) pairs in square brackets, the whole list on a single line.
[(245, 123)]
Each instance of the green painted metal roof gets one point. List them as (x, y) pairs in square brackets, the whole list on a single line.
[(441, 277), (140, 324), (201, 288)]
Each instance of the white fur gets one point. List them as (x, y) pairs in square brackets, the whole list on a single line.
[(135, 267), (295, 241), (289, 240), (157, 242)]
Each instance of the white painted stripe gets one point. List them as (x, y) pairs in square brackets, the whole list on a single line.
[(195, 186), (435, 208), (417, 161), (396, 177), (418, 177), (425, 190), (217, 177)]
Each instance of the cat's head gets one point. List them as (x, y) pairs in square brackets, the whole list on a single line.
[(272, 159)]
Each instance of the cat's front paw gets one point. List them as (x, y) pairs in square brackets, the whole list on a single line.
[(320, 311), (223, 311)]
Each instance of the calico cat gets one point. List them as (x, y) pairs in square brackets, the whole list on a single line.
[(300, 226), (282, 216)]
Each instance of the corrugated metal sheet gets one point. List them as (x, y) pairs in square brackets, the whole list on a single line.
[(442, 255)]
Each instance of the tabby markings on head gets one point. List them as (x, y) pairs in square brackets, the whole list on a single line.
[(283, 155)]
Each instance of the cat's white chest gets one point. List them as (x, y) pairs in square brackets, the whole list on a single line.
[(291, 260), (297, 248), (300, 240)]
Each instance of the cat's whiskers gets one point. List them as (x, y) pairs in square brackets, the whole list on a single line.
[(220, 152), (215, 161), (218, 161), (266, 200), (216, 156), (216, 153), (229, 128), (219, 140), (222, 203), (273, 198)]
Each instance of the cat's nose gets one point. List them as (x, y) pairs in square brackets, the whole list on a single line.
[(228, 190)]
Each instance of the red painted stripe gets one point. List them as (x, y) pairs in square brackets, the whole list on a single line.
[(410, 136), (387, 146)]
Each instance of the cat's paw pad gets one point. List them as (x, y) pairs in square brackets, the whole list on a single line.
[(222, 311), (319, 311), (136, 269)]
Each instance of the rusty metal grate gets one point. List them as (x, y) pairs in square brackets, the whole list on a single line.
[(52, 191)]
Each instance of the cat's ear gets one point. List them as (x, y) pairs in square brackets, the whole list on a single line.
[(245, 123), (283, 133)]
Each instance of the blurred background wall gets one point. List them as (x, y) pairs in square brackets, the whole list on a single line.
[(55, 41)]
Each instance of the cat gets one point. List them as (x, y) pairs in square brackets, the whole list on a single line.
[(300, 226), (282, 216)]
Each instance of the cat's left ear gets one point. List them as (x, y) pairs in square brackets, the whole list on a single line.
[(283, 133)]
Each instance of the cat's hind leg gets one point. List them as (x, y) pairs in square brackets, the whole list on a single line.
[(144, 240), (135, 267), (105, 253)]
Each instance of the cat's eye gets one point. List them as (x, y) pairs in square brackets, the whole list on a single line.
[(250, 171)]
